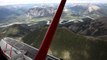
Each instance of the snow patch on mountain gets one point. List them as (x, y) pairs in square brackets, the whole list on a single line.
[(93, 8)]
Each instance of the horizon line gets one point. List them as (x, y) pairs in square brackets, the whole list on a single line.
[(53, 3)]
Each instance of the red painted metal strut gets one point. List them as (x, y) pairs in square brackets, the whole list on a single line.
[(11, 52), (5, 48), (42, 53)]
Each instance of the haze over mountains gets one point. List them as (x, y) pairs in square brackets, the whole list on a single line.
[(22, 13), (81, 33)]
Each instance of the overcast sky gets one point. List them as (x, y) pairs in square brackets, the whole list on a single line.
[(9, 2)]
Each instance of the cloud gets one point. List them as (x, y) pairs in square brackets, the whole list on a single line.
[(89, 1), (9, 2)]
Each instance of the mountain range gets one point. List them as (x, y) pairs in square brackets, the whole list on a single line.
[(81, 33), (28, 12)]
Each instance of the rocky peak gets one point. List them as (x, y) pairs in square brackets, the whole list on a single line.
[(40, 12)]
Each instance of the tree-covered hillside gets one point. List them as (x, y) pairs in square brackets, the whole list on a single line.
[(70, 46)]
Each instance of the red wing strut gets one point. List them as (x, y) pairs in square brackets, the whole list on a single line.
[(42, 53)]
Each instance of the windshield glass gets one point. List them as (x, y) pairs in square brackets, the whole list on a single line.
[(81, 33)]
